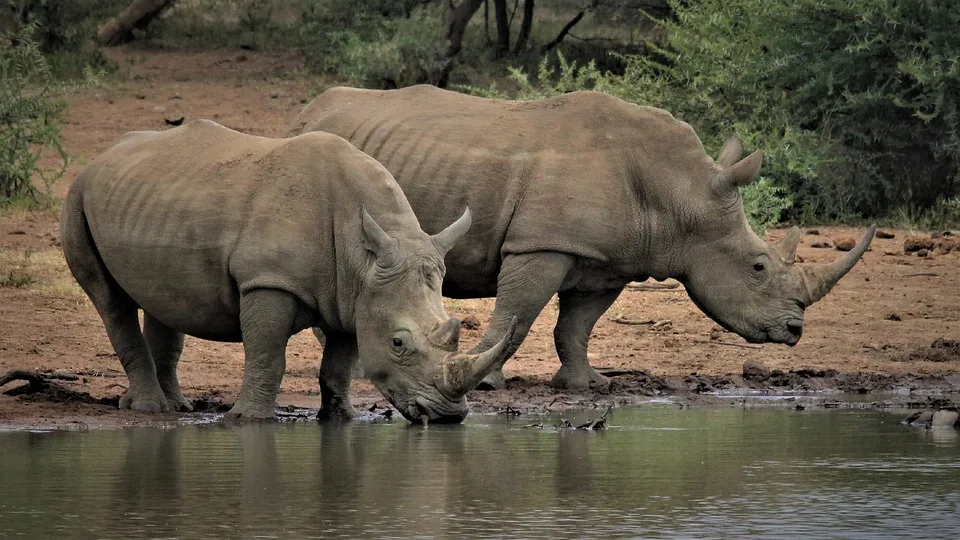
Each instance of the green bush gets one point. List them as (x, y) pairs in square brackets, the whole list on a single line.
[(378, 44), (30, 120), (854, 102), (63, 31)]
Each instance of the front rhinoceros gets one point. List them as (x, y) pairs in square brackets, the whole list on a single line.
[(231, 237), (578, 195)]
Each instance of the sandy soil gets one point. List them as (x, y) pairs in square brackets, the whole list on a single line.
[(891, 324)]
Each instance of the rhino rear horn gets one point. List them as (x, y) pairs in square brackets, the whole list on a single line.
[(377, 241), (818, 280), (739, 174), (731, 152), (445, 239), (786, 247)]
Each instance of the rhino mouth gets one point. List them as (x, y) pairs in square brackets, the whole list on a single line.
[(423, 409)]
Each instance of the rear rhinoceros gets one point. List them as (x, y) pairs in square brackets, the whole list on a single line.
[(579, 195), (232, 237)]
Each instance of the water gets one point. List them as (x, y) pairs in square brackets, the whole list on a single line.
[(655, 472)]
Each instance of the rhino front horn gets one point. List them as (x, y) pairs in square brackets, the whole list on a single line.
[(463, 372), (818, 280)]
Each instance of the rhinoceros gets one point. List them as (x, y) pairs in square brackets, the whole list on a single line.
[(578, 195), (232, 237)]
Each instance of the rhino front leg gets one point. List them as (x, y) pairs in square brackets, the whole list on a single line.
[(579, 312), (338, 364), (267, 319), (357, 368), (166, 346), (525, 285)]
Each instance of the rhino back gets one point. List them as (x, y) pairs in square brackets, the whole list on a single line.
[(565, 174), (187, 218)]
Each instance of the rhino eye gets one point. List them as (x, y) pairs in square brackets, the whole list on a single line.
[(397, 342), (758, 267)]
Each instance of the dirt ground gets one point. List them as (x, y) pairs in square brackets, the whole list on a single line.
[(890, 325)]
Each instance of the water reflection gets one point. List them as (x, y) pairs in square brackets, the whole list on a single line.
[(655, 472)]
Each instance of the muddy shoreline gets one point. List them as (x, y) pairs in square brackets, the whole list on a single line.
[(58, 407)]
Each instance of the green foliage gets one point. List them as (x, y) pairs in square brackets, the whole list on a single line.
[(62, 31), (854, 102), (30, 120), (380, 44)]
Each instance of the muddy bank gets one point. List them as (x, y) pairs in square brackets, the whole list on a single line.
[(56, 406)]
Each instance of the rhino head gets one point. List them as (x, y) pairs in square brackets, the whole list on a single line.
[(746, 285), (408, 346)]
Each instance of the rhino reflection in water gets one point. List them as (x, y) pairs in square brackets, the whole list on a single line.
[(579, 195), (231, 237)]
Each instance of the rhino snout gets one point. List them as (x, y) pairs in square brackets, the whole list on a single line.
[(422, 410)]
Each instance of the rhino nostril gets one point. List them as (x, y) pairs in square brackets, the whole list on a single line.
[(795, 328)]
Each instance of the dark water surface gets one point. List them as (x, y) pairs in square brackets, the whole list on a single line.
[(655, 472)]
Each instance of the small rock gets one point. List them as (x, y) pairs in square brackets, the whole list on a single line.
[(140, 96), (821, 245), (844, 243), (173, 121), (160, 109), (17, 232), (813, 232), (470, 322), (274, 95), (944, 418), (893, 317), (176, 96), (889, 252), (923, 252), (754, 370), (916, 243), (885, 235), (946, 244)]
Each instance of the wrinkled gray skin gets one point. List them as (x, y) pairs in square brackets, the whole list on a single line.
[(231, 237), (578, 195)]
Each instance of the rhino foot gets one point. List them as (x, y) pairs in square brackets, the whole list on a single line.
[(243, 412), (493, 381), (582, 377), (336, 414), (179, 403), (144, 402)]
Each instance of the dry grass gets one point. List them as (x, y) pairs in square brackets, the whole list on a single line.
[(42, 272)]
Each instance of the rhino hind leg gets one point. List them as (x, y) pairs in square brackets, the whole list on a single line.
[(579, 312), (336, 369), (166, 345), (525, 284), (117, 310), (268, 317)]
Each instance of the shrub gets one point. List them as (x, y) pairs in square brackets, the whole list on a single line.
[(378, 44), (854, 102), (30, 120)]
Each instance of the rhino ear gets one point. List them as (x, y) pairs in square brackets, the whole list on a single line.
[(445, 239), (377, 241), (739, 174), (731, 152)]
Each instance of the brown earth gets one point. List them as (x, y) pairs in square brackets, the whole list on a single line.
[(891, 324)]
